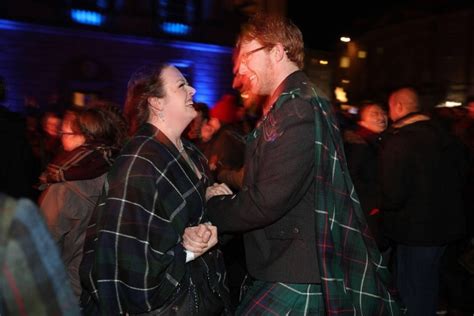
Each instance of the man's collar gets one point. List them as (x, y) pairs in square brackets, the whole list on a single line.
[(410, 118), (286, 85)]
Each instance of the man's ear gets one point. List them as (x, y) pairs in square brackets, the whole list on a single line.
[(279, 52), (399, 107)]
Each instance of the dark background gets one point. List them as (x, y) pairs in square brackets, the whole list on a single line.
[(323, 25)]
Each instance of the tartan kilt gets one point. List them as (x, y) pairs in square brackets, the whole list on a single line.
[(267, 298)]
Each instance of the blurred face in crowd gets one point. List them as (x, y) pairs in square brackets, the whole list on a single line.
[(51, 125), (196, 125), (209, 128), (69, 138), (374, 118)]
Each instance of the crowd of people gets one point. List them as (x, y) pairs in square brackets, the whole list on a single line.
[(262, 205)]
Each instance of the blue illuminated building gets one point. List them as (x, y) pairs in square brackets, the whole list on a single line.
[(92, 47)]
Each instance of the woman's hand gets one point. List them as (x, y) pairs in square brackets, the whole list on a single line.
[(217, 189), (199, 239)]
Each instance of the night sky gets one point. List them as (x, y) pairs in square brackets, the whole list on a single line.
[(322, 27), (322, 30)]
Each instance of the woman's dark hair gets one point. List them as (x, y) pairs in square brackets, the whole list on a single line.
[(144, 83), (99, 125)]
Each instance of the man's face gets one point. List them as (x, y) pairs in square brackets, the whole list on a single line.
[(255, 68)]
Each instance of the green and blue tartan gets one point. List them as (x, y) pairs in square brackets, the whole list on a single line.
[(133, 257), (354, 277), (266, 298)]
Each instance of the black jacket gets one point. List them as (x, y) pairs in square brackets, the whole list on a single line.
[(276, 204), (421, 172)]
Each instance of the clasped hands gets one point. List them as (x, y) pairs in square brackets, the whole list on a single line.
[(199, 239)]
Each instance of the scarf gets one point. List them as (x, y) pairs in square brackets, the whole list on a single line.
[(85, 162)]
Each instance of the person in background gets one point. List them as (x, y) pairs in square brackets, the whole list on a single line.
[(138, 259), (421, 170), (73, 181), (193, 131), (308, 248), (18, 168), (49, 138), (222, 142), (464, 129), (361, 147)]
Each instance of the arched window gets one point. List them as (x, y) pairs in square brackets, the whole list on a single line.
[(176, 16)]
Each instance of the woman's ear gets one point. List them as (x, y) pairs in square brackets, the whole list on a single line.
[(155, 103)]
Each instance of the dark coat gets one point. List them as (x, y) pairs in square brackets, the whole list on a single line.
[(303, 220), (275, 205), (421, 172), (361, 148)]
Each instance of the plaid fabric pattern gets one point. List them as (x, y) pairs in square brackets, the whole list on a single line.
[(265, 298), (33, 280), (355, 280), (133, 257)]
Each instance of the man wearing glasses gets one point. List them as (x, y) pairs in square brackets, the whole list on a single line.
[(308, 249)]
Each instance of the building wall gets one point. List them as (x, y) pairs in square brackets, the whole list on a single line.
[(319, 67), (40, 60), (434, 54)]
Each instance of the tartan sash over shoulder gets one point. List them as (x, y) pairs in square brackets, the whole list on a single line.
[(354, 278)]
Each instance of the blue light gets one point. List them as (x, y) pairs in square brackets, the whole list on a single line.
[(192, 58), (181, 63), (205, 91), (200, 77), (175, 28), (87, 17), (193, 46)]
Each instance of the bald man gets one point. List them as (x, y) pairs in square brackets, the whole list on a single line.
[(420, 182), (403, 102)]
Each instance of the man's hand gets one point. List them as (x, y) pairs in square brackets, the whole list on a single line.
[(217, 189)]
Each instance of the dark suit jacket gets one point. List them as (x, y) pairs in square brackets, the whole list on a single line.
[(276, 204)]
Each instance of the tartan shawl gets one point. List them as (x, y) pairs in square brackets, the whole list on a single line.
[(33, 279), (133, 257), (354, 278)]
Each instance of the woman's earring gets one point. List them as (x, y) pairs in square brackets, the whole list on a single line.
[(161, 116)]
